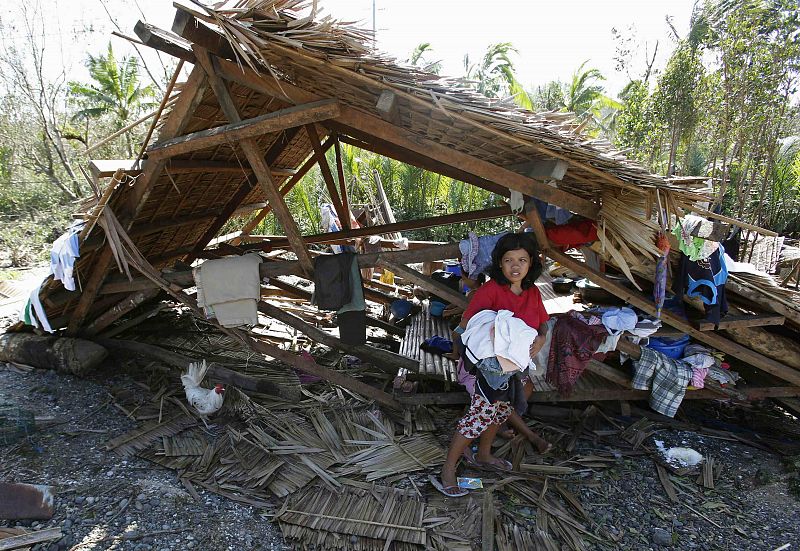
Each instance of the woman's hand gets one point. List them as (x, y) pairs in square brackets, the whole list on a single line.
[(537, 345)]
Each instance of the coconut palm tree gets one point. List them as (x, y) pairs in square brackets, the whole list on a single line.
[(494, 75), (115, 91), (419, 58)]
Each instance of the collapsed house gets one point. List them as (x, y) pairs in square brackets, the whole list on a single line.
[(269, 93)]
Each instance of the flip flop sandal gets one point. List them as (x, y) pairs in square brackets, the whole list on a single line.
[(460, 492)]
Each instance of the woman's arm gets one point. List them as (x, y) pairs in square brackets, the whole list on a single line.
[(539, 341)]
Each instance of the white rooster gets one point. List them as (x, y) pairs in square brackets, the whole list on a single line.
[(205, 400)]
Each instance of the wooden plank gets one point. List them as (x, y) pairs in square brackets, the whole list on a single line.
[(327, 176), (260, 169), (609, 373), (282, 119), (383, 360), (270, 157), (376, 127), (31, 538), (340, 379), (433, 221), (730, 321), (425, 282), (285, 189), (710, 338), (132, 301)]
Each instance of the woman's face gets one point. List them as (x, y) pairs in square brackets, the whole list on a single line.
[(515, 265)]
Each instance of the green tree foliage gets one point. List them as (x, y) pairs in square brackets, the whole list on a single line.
[(116, 92), (494, 75), (723, 108)]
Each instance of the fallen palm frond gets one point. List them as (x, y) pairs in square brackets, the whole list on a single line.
[(381, 518), (142, 437)]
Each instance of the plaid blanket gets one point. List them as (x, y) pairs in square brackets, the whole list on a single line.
[(665, 377)]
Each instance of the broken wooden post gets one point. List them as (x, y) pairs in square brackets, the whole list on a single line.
[(383, 360), (340, 379), (254, 157), (327, 176), (425, 282), (63, 354)]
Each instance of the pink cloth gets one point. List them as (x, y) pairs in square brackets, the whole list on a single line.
[(466, 379), (698, 376)]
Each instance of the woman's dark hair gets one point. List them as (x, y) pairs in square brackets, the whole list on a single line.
[(512, 242)]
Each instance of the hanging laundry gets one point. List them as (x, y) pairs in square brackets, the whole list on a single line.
[(706, 280), (476, 253), (666, 378), (662, 265), (330, 223), (693, 247), (33, 313), (574, 342), (63, 253), (516, 202), (229, 289), (352, 317), (332, 281), (574, 234)]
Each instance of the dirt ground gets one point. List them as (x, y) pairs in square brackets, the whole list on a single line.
[(107, 502)]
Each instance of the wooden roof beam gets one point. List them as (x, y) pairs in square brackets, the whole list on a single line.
[(164, 41), (244, 190), (105, 168), (327, 176), (375, 127), (260, 169), (285, 189), (282, 119)]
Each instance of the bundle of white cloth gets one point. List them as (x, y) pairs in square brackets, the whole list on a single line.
[(500, 334)]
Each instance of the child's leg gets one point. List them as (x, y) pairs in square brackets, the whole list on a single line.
[(474, 422), (500, 412), (516, 421), (457, 447)]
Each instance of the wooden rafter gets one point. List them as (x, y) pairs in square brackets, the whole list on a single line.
[(285, 189), (376, 127), (327, 176), (342, 184), (260, 169), (270, 157), (276, 121)]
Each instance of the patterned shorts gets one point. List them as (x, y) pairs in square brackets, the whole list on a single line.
[(481, 414)]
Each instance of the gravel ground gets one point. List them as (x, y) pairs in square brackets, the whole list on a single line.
[(145, 507), (100, 495)]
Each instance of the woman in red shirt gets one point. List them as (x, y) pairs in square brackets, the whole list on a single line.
[(515, 268)]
